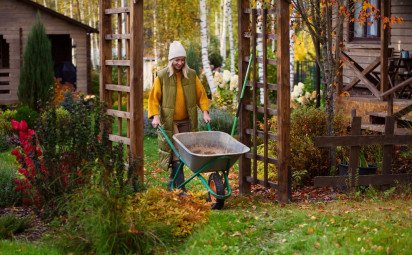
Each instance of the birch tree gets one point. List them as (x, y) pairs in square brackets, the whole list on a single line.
[(223, 34), (231, 39), (205, 53), (291, 48)]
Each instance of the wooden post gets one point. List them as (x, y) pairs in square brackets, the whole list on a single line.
[(354, 153), (385, 5), (388, 150), (105, 27), (283, 99), (89, 64), (136, 84), (254, 94), (244, 119)]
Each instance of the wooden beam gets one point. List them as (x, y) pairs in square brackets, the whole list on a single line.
[(259, 109), (271, 135), (259, 85), (117, 10), (261, 158), (136, 85), (259, 11), (118, 88), (117, 113), (273, 185), (388, 149), (119, 139), (366, 71), (354, 151), (365, 180), (354, 140), (244, 118), (385, 28), (117, 36), (117, 62), (259, 35), (283, 100), (105, 27), (397, 87), (260, 60)]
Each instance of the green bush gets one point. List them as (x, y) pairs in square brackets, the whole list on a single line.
[(307, 160), (5, 121), (8, 175), (97, 221), (10, 224), (28, 114), (36, 75), (193, 57), (221, 120)]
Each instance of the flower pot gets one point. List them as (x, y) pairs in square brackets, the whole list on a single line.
[(370, 170)]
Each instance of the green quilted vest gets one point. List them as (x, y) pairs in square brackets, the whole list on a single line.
[(167, 109)]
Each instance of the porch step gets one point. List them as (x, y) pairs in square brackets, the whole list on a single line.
[(379, 118), (381, 129)]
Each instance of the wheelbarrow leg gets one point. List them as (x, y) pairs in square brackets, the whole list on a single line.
[(177, 176)]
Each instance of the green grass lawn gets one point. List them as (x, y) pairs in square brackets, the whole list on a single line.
[(367, 226), (250, 225)]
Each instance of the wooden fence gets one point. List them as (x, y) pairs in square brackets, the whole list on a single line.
[(355, 140)]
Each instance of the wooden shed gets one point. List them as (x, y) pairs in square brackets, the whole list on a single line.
[(371, 47), (70, 41)]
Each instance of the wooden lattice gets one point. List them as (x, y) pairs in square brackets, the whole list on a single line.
[(121, 76), (251, 108)]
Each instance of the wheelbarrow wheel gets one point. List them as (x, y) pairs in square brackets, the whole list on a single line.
[(216, 185)]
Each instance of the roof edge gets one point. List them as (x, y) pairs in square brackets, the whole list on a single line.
[(61, 16)]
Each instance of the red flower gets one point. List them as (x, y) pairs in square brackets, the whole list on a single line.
[(15, 124), (38, 151), (23, 125), (15, 152)]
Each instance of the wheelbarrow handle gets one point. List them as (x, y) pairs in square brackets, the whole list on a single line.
[(170, 143), (209, 128)]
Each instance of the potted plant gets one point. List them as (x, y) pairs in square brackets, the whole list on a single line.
[(365, 168)]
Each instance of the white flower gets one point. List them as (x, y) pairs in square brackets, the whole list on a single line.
[(297, 90), (301, 85), (218, 79), (234, 80), (313, 95), (307, 95), (302, 100), (226, 76)]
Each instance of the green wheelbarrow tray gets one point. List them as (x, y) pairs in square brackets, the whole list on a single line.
[(207, 151)]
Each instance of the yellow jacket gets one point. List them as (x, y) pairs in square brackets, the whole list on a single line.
[(180, 105)]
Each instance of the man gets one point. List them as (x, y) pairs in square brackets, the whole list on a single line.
[(173, 102)]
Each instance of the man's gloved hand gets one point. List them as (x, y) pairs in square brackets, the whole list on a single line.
[(156, 121)]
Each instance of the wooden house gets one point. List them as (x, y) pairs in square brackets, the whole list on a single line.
[(70, 40), (371, 50)]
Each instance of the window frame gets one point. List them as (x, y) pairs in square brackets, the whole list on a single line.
[(365, 37)]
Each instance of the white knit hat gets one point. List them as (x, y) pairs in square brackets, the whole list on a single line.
[(176, 50)]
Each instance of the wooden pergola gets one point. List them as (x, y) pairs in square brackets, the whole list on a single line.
[(130, 68)]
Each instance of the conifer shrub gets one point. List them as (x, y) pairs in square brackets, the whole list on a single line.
[(36, 75)]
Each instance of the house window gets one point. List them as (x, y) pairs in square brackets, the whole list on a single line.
[(370, 29), (4, 53)]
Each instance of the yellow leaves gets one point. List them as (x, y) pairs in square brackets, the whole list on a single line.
[(182, 214), (310, 230)]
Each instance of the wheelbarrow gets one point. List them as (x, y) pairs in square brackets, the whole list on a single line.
[(207, 152)]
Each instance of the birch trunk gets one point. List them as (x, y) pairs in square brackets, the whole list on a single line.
[(223, 34), (216, 25), (291, 49), (155, 53), (259, 48), (231, 40), (205, 54)]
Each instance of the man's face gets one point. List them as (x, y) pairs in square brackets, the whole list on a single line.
[(178, 63)]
